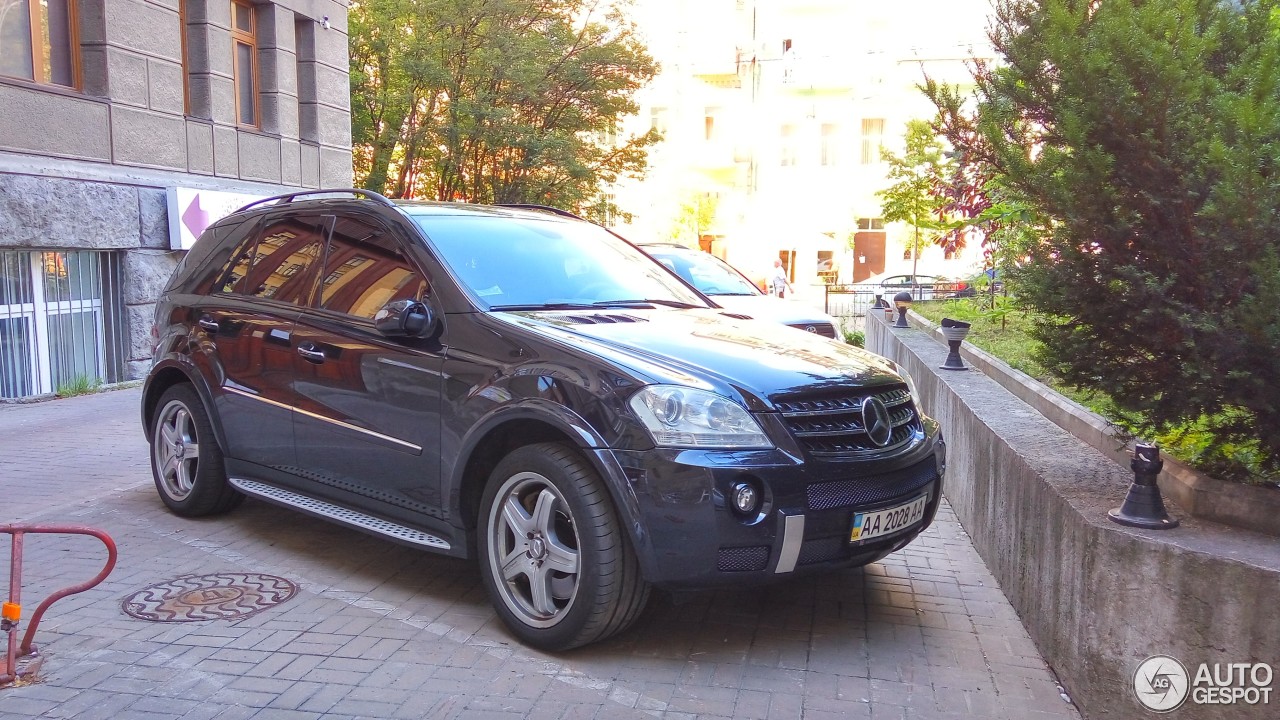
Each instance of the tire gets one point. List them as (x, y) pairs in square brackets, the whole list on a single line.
[(186, 462), (570, 576)]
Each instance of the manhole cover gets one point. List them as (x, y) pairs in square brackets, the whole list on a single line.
[(222, 596)]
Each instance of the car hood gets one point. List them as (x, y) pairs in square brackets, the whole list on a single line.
[(767, 307), (756, 359)]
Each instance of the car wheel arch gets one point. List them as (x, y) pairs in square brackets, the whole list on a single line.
[(489, 442), (165, 375)]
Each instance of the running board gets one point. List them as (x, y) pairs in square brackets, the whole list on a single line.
[(337, 513)]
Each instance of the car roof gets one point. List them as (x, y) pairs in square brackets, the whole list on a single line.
[(323, 198)]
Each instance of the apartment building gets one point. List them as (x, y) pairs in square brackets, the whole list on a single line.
[(126, 126), (775, 111)]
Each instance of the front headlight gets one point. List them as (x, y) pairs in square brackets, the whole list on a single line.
[(684, 417)]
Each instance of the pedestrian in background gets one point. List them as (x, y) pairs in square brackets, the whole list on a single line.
[(781, 286)]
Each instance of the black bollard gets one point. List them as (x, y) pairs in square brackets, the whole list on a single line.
[(1143, 506), (903, 301), (954, 331), (880, 301)]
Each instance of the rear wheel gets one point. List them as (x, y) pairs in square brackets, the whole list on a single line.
[(555, 560), (186, 461)]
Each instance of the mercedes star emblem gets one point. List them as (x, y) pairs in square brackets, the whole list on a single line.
[(875, 419)]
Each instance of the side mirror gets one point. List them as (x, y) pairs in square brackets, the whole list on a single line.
[(404, 318)]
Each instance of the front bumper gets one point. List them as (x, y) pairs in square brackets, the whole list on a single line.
[(687, 535)]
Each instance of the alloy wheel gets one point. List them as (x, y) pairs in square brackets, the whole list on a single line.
[(533, 549), (176, 449)]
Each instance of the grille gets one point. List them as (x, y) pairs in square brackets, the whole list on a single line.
[(831, 424), (816, 551), (871, 489), (819, 328), (742, 559)]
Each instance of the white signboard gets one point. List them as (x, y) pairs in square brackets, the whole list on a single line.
[(191, 211)]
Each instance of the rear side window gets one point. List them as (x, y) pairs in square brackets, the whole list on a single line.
[(365, 269), (204, 265), (280, 265)]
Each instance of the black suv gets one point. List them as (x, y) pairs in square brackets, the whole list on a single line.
[(525, 388)]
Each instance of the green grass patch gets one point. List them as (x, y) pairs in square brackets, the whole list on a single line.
[(79, 385), (1006, 333)]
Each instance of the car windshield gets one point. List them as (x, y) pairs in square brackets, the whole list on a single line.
[(706, 272), (528, 263)]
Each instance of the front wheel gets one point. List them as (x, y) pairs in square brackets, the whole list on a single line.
[(554, 558)]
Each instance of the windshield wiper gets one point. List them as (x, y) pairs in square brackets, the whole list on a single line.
[(643, 301)]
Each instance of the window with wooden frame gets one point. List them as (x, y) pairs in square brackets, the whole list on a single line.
[(788, 149), (244, 56), (186, 62), (39, 41), (872, 140)]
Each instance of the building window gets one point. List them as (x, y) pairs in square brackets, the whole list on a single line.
[(830, 145), (709, 123), (870, 223), (788, 155), (658, 119), (872, 140), (244, 56), (38, 41), (62, 321)]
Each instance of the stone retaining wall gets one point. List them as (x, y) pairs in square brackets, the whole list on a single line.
[(1096, 597)]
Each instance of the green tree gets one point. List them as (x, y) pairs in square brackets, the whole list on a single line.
[(496, 100), (694, 218), (1147, 136), (911, 197)]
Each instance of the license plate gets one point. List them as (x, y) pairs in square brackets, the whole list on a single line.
[(887, 521)]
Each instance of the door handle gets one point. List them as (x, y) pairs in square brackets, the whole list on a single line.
[(310, 353), (207, 323)]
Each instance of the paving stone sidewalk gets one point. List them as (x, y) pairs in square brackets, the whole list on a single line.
[(378, 630)]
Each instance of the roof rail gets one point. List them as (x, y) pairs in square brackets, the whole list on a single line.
[(544, 208), (288, 197)]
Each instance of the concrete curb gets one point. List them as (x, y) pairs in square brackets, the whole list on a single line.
[(1097, 598)]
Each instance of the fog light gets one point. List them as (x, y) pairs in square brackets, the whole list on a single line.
[(745, 498)]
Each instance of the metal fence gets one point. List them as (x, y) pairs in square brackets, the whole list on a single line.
[(851, 301), (62, 321)]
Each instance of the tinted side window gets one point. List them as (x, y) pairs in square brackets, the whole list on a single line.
[(365, 269), (237, 266), (278, 266), (206, 262)]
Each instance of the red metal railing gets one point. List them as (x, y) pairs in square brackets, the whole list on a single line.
[(12, 609)]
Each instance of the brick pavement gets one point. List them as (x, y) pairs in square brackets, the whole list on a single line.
[(383, 631)]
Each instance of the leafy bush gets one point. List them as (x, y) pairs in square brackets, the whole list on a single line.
[(855, 338), (1145, 135)]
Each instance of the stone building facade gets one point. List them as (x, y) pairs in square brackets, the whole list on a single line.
[(107, 109)]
